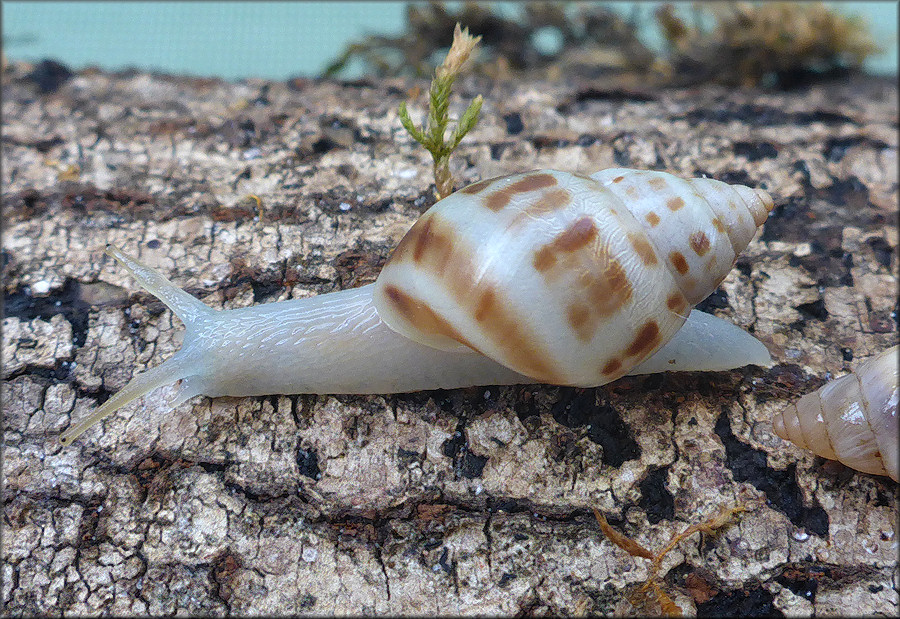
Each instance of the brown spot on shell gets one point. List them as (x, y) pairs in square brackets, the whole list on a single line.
[(576, 236), (497, 200), (676, 302), (478, 187), (652, 218), (646, 340), (699, 242), (421, 316), (578, 315), (631, 191), (549, 201), (611, 290), (657, 183), (506, 330), (486, 302), (593, 284), (529, 182), (678, 261), (618, 179), (643, 248), (719, 225), (675, 203), (612, 367), (544, 258)]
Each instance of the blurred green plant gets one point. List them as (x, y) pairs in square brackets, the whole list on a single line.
[(765, 43), (770, 44), (433, 134)]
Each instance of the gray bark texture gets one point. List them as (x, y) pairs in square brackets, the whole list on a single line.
[(468, 501)]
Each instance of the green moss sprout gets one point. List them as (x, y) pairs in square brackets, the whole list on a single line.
[(433, 134)]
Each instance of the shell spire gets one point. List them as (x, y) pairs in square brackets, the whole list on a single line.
[(565, 278)]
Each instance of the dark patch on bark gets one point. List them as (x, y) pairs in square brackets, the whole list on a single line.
[(498, 149), (754, 151), (736, 177), (785, 379), (780, 487), (752, 601), (514, 125), (717, 300), (814, 309), (836, 148), (656, 499), (882, 250), (465, 463), (67, 301), (615, 95), (754, 115), (578, 408), (308, 463), (803, 580)]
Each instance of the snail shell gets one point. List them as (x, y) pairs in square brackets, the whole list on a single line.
[(565, 278), (852, 419), (538, 277)]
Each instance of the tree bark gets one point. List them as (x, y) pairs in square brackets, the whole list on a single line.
[(466, 501)]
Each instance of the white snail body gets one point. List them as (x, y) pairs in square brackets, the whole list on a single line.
[(852, 419), (538, 277)]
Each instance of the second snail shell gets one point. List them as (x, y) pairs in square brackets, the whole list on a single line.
[(852, 419)]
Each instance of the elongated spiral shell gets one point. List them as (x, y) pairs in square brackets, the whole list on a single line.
[(565, 278), (852, 419)]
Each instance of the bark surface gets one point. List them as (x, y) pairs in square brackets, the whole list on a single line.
[(467, 501)]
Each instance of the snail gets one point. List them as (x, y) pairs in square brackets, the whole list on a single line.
[(544, 276), (852, 419)]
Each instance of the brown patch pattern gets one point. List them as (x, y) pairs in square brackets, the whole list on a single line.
[(647, 339), (719, 225), (676, 302), (504, 328), (618, 179), (596, 284), (550, 201), (643, 248), (657, 183), (699, 243), (530, 182), (678, 261), (432, 244), (478, 187), (578, 315), (652, 218), (424, 318), (576, 236), (612, 367), (675, 203), (544, 258)]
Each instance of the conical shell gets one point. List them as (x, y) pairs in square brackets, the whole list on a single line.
[(852, 419), (566, 278)]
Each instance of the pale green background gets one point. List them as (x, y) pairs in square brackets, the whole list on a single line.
[(273, 40)]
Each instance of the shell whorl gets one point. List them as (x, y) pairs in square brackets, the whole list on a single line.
[(565, 278), (852, 419)]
